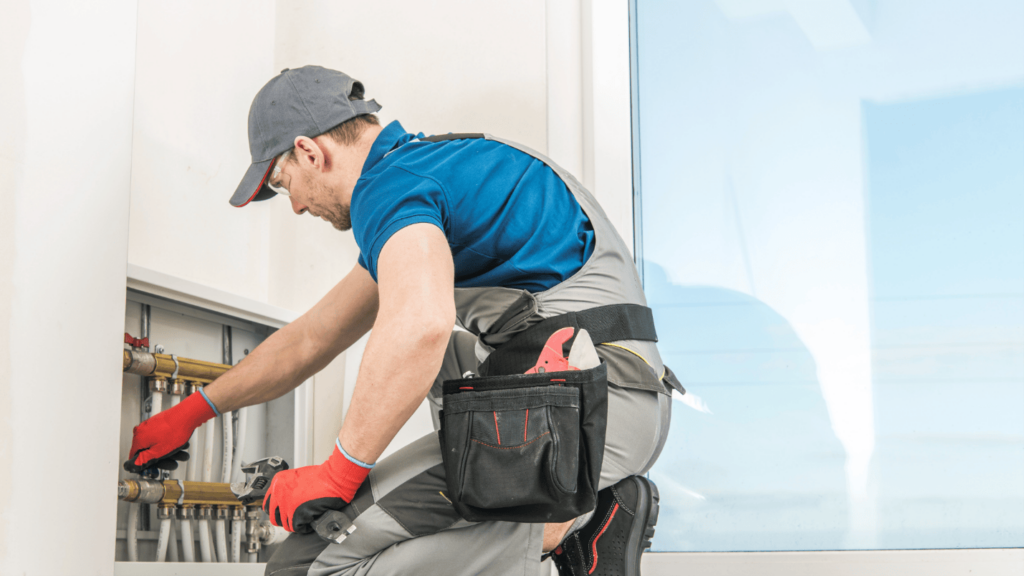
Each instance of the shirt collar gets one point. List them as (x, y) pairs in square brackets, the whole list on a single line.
[(391, 137)]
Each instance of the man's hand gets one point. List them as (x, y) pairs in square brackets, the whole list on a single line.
[(298, 497), (162, 441)]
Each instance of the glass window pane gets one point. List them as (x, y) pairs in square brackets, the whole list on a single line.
[(833, 244)]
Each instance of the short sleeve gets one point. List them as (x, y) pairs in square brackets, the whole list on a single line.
[(394, 199)]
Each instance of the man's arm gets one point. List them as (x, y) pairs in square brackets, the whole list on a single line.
[(302, 348), (403, 356)]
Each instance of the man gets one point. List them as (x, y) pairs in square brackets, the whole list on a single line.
[(459, 228)]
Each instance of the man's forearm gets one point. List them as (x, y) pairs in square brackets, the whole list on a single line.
[(401, 361), (301, 349), (270, 371)]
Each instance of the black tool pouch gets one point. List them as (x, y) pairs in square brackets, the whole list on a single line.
[(525, 447)]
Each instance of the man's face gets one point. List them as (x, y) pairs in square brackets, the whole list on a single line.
[(311, 191)]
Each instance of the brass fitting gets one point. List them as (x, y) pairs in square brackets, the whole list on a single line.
[(171, 492), (186, 513), (158, 385), (177, 386), (162, 366), (165, 511), (140, 490)]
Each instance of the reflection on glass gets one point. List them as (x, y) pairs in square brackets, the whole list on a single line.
[(833, 232)]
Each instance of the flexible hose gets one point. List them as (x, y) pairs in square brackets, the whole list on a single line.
[(204, 525), (133, 532), (229, 446), (162, 539), (156, 403), (237, 527), (222, 540), (208, 438), (252, 557), (205, 551), (243, 421), (188, 542), (172, 543)]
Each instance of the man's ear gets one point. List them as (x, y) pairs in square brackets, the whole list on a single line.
[(309, 154)]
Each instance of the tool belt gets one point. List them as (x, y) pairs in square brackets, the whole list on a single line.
[(529, 447)]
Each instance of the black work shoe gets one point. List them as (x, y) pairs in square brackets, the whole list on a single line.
[(621, 529)]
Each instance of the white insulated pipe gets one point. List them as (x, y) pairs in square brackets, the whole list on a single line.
[(132, 533), (237, 528), (243, 423), (188, 543), (229, 447), (205, 550), (204, 525), (156, 402), (252, 557), (172, 544), (222, 540), (208, 438), (162, 540), (228, 425)]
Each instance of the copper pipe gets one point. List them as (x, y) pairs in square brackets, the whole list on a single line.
[(169, 492), (162, 365)]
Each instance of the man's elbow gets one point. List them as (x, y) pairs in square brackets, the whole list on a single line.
[(424, 325), (434, 328)]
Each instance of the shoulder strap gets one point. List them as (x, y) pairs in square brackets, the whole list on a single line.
[(443, 137)]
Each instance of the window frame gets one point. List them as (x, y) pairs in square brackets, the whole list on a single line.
[(606, 26)]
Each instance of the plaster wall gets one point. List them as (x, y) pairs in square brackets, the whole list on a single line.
[(65, 123)]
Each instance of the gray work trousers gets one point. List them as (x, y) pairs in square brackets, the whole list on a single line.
[(411, 528)]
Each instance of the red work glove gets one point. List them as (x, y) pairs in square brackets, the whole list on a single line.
[(298, 497), (162, 441)]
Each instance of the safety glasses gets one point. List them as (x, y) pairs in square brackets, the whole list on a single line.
[(278, 181)]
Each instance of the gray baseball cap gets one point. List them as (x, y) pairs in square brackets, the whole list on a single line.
[(306, 101)]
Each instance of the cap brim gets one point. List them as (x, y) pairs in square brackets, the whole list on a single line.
[(253, 185)]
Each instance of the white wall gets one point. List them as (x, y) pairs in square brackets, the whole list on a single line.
[(65, 119), (199, 66), (438, 67)]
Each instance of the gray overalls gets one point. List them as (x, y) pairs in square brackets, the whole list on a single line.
[(405, 524)]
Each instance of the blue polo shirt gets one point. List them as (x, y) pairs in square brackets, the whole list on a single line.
[(510, 221)]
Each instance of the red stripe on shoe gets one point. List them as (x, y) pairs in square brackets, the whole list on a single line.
[(599, 534)]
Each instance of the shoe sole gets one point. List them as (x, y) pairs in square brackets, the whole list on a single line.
[(646, 517)]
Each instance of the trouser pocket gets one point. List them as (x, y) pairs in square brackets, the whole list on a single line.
[(524, 448)]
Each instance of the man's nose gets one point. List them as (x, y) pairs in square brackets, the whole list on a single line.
[(299, 209)]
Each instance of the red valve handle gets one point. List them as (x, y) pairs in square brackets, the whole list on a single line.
[(136, 342)]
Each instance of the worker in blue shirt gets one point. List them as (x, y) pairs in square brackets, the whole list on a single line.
[(550, 399)]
